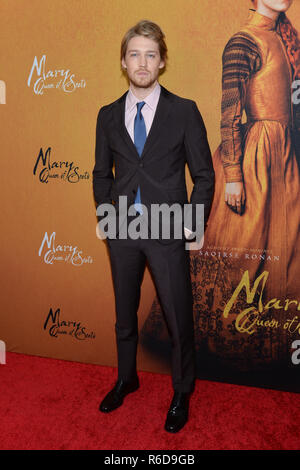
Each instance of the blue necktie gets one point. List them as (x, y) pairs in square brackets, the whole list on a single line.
[(140, 136)]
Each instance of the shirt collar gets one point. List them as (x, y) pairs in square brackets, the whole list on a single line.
[(151, 100)]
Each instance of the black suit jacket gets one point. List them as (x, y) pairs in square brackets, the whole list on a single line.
[(177, 136)]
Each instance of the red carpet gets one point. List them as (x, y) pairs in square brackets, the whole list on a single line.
[(53, 404)]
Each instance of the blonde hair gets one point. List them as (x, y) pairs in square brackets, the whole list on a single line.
[(150, 30)]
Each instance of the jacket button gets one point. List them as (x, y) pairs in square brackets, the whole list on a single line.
[(141, 164)]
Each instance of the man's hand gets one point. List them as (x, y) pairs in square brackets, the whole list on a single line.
[(193, 245), (187, 233), (196, 246)]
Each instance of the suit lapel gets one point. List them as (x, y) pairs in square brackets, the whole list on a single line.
[(162, 111), (119, 117)]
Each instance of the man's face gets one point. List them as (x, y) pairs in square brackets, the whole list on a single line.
[(277, 5), (142, 61)]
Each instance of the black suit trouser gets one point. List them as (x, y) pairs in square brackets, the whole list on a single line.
[(169, 265)]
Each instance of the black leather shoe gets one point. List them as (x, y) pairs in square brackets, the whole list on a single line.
[(178, 412), (115, 397)]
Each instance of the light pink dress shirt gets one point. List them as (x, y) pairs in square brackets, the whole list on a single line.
[(148, 110)]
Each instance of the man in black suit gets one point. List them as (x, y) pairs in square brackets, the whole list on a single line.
[(149, 134)]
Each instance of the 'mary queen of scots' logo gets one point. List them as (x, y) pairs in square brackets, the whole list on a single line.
[(51, 252), (42, 79)]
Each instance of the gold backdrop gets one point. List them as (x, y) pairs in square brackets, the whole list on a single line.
[(59, 64)]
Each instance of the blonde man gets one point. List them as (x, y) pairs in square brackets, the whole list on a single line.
[(149, 134)]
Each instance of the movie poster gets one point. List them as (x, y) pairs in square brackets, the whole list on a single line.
[(246, 276), (243, 72)]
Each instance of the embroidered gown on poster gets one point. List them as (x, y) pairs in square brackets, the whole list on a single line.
[(264, 240)]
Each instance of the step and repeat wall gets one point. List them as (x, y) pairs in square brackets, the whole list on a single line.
[(59, 64)]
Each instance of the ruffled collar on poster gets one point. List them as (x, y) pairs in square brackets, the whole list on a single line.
[(262, 21)]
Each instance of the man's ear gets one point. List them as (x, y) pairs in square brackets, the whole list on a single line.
[(123, 63), (162, 64)]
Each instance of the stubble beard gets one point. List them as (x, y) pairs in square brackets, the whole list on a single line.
[(146, 82)]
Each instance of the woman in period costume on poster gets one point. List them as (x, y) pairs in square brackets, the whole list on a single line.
[(254, 224)]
